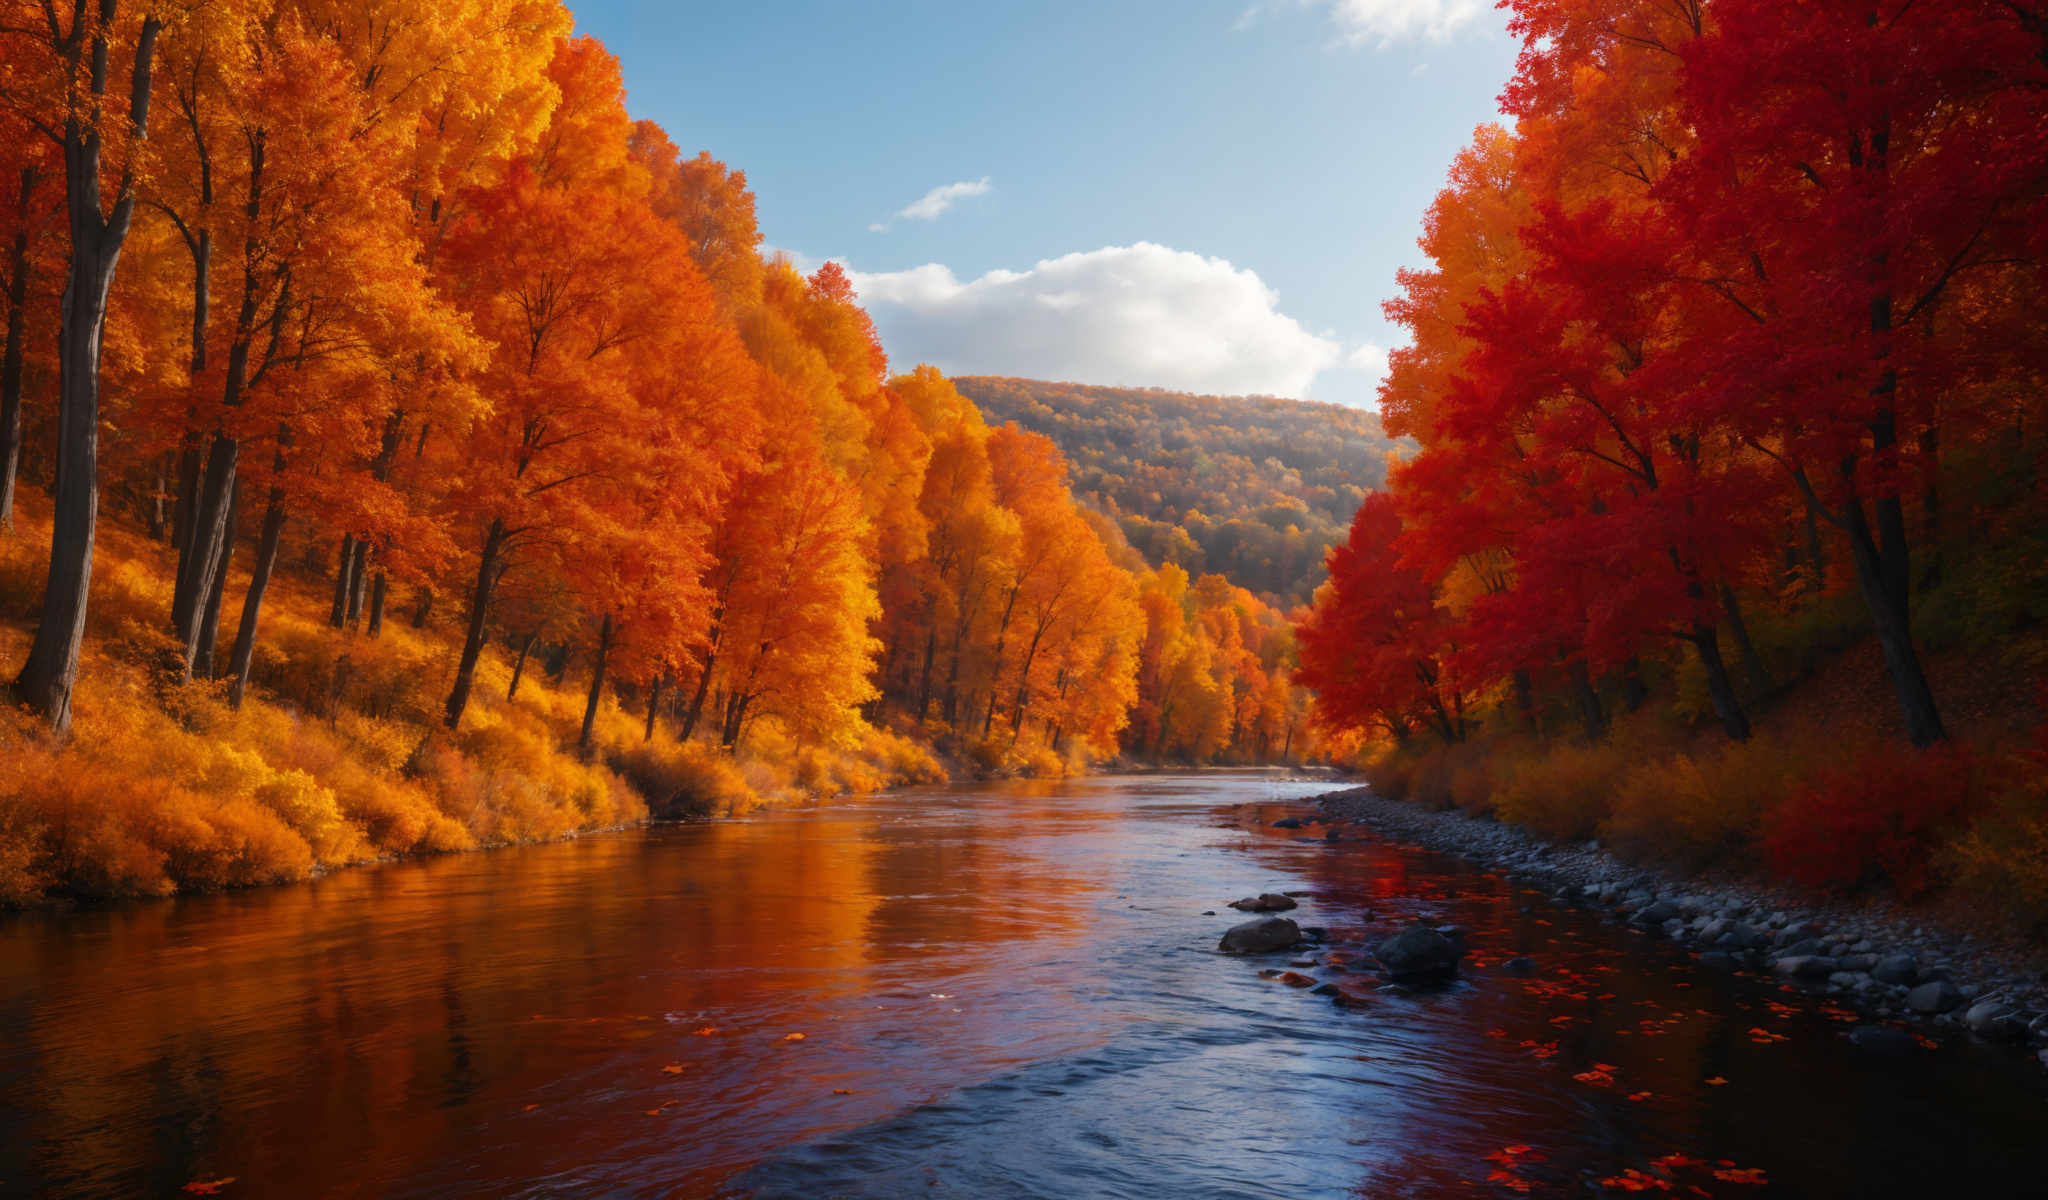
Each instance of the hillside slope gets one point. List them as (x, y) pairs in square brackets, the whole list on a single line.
[(1256, 488)]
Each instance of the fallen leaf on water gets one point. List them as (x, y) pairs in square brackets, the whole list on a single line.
[(842, 1091), (672, 1069), (1740, 1175), (529, 1108), (1716, 1081), (793, 1037), (1639, 1097), (206, 1187), (707, 1031)]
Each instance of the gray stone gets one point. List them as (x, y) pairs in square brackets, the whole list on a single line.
[(1805, 966), (1896, 969), (1264, 902), (1288, 823), (1262, 936), (1938, 996), (1419, 952), (1858, 962), (1720, 960), (1993, 1019), (1519, 966), (1656, 914), (1805, 948)]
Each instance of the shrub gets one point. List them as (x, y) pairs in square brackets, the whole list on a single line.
[(1563, 793), (1697, 808), (679, 780), (1879, 818)]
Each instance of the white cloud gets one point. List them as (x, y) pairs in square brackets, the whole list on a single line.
[(878, 227), (933, 204), (1383, 22), (1141, 315), (1370, 358)]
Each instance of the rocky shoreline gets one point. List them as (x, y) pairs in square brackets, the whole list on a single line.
[(1882, 961)]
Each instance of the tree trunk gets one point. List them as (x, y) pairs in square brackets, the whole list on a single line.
[(1719, 687), (206, 545), (1591, 716), (377, 605), (356, 573), (1816, 550), (186, 503), (158, 513), (11, 362), (604, 646), (422, 607), (47, 678), (252, 603), (924, 681), (337, 613), (653, 705), (1753, 669), (519, 664), (1890, 614), (479, 612), (1525, 699), (696, 709), (209, 621), (1633, 692)]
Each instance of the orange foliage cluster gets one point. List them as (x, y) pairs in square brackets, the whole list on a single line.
[(408, 302), (428, 372)]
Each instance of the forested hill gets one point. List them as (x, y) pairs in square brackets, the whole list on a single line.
[(1252, 487)]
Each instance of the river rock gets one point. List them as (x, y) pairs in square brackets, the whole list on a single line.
[(1938, 996), (1296, 979), (1896, 969), (1519, 966), (1720, 960), (1288, 823), (1419, 953), (1264, 902), (1263, 936), (1812, 967), (1993, 1019), (1656, 914)]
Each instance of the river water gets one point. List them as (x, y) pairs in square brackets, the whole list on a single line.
[(1006, 990)]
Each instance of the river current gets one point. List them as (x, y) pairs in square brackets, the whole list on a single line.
[(977, 990)]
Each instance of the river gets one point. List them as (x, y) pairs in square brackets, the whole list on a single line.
[(979, 990)]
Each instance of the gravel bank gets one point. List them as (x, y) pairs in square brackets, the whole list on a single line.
[(1889, 964)]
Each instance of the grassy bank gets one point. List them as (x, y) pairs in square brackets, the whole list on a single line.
[(338, 755)]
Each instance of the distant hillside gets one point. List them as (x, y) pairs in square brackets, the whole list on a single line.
[(1253, 487)]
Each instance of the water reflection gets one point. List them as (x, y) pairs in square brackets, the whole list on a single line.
[(1002, 990)]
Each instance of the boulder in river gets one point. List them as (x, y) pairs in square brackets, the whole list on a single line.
[(1264, 902), (1519, 966), (1419, 953), (1935, 996), (1995, 1019), (1289, 823), (1811, 967), (1901, 969), (1262, 936)]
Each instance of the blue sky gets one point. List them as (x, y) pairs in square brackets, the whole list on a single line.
[(1202, 194)]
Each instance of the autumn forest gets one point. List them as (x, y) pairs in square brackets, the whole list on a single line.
[(409, 450), (902, 660)]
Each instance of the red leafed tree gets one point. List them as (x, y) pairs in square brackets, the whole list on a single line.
[(1374, 646)]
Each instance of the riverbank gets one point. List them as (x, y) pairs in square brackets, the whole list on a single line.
[(1902, 969)]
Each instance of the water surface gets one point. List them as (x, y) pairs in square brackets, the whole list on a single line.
[(1002, 990)]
